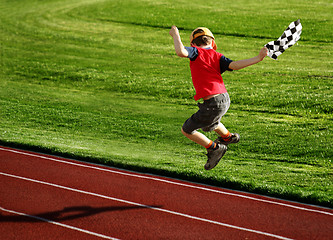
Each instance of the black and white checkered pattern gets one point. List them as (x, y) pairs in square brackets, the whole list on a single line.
[(289, 37)]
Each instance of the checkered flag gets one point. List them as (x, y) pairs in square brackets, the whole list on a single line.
[(289, 37)]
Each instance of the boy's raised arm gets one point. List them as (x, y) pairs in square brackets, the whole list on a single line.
[(179, 47), (248, 62)]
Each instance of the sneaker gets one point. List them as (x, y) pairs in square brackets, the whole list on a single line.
[(233, 139), (214, 156)]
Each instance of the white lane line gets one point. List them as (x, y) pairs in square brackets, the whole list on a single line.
[(58, 224), (146, 206), (170, 182)]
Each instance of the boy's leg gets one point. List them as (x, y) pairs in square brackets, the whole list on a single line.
[(221, 130), (215, 151), (198, 138), (225, 136)]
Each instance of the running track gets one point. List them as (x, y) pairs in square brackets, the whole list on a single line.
[(47, 197)]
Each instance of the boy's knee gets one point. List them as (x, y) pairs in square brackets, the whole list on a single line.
[(185, 133)]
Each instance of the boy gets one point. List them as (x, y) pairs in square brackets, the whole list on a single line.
[(206, 66)]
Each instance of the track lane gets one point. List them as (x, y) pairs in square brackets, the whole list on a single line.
[(103, 214), (194, 201)]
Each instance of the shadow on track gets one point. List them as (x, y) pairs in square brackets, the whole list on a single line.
[(68, 213)]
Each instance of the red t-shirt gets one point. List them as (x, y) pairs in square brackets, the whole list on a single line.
[(206, 73)]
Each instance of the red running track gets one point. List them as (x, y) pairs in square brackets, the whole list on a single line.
[(47, 197)]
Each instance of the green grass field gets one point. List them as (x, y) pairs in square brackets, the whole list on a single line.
[(99, 81)]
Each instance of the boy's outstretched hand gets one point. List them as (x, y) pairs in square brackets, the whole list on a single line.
[(263, 53)]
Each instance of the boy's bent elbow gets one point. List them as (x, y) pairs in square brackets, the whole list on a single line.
[(182, 53)]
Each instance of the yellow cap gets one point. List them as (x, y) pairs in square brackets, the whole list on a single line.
[(205, 32)]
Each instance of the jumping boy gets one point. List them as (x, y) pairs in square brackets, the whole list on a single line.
[(206, 66)]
